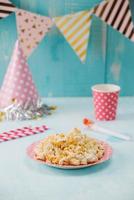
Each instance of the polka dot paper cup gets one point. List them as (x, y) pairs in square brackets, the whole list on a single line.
[(105, 97)]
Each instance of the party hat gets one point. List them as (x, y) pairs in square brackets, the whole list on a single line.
[(18, 86)]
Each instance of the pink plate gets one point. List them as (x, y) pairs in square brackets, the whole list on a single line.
[(107, 155)]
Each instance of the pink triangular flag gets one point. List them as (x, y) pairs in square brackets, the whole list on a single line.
[(18, 84), (32, 28)]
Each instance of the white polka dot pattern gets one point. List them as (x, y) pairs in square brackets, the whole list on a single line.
[(105, 105), (18, 83)]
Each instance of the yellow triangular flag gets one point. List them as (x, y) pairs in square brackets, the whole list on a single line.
[(76, 30)]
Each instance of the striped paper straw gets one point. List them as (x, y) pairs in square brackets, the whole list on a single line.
[(21, 132)]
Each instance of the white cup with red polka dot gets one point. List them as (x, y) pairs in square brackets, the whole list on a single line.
[(105, 98)]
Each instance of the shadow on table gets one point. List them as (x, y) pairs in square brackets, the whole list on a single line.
[(125, 117), (46, 170)]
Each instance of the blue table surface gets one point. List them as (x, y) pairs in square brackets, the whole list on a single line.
[(24, 179)]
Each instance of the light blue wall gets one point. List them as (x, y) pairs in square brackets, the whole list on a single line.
[(56, 69)]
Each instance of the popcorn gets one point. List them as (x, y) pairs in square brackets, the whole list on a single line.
[(73, 148)]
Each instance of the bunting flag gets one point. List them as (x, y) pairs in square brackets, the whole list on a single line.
[(6, 8), (117, 13), (32, 28), (76, 30)]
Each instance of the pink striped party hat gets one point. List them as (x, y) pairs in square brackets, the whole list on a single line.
[(18, 85)]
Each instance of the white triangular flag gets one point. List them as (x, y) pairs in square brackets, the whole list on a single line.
[(117, 13)]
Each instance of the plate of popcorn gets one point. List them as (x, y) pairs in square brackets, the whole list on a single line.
[(72, 150)]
